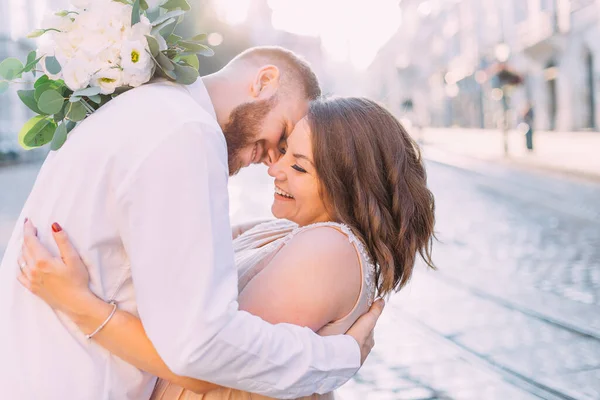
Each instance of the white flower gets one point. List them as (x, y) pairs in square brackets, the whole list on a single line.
[(76, 74), (137, 77), (134, 55), (53, 21), (108, 79), (139, 30)]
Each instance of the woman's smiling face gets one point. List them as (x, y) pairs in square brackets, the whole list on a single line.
[(297, 196)]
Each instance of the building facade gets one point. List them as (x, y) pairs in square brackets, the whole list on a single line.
[(441, 61)]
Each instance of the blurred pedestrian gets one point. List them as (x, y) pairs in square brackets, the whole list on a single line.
[(528, 117)]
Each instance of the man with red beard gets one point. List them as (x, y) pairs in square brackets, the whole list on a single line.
[(141, 188)]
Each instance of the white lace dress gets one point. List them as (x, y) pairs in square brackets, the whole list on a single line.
[(253, 251)]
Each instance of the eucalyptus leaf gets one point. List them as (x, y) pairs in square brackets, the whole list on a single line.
[(70, 125), (10, 68), (196, 48), (3, 87), (152, 45), (31, 64), (76, 112), (90, 91), (41, 80), (198, 38), (173, 39), (50, 85), (51, 102), (156, 30), (74, 99), (166, 16), (52, 65), (185, 75), (59, 138), (36, 132), (192, 61), (135, 13), (59, 116), (164, 62), (95, 98), (28, 98), (143, 5), (171, 5)]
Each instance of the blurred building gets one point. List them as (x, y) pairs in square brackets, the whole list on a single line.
[(17, 18), (441, 58)]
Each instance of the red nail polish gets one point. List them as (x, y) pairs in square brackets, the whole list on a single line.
[(56, 227)]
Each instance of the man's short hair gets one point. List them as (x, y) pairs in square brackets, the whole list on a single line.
[(294, 69)]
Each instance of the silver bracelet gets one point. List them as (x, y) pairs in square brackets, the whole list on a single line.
[(114, 310)]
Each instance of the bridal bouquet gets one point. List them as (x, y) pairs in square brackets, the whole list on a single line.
[(95, 51)]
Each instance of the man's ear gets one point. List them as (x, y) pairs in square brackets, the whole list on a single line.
[(266, 82)]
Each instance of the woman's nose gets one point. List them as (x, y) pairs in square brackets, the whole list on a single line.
[(276, 171)]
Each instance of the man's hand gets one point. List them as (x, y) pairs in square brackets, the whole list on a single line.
[(363, 329)]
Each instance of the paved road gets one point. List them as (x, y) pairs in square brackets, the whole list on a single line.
[(512, 312)]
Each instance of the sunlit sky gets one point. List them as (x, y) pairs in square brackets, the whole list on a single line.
[(350, 30)]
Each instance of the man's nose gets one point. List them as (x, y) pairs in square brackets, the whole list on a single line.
[(271, 157)]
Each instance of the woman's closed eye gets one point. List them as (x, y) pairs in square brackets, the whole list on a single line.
[(299, 168)]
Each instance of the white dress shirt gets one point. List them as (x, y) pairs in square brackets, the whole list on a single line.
[(141, 189)]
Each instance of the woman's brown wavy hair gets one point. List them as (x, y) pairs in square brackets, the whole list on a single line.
[(373, 177)]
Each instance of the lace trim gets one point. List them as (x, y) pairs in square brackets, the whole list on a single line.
[(369, 267)]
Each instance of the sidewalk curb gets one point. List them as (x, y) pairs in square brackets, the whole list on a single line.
[(437, 154)]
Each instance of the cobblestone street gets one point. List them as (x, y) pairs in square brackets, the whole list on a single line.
[(512, 312)]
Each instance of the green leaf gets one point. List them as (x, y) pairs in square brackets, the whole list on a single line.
[(152, 45), (197, 48), (41, 80), (198, 38), (52, 65), (135, 13), (166, 16), (3, 87), (51, 102), (59, 116), (36, 132), (143, 5), (164, 62), (76, 112), (156, 30), (10, 68), (95, 98), (28, 98), (31, 64), (173, 39), (70, 125), (59, 138), (185, 75), (192, 61), (50, 85), (90, 91), (171, 5)]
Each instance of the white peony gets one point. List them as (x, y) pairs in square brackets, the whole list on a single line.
[(77, 73), (137, 77), (108, 79), (139, 30), (137, 64)]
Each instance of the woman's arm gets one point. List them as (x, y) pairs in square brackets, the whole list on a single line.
[(237, 230), (65, 288), (124, 336), (304, 284), (313, 280)]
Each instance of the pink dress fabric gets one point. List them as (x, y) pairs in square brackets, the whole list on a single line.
[(253, 251)]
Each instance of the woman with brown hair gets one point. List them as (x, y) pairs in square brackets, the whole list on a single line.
[(353, 211)]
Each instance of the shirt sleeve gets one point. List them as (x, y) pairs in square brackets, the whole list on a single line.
[(174, 223)]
